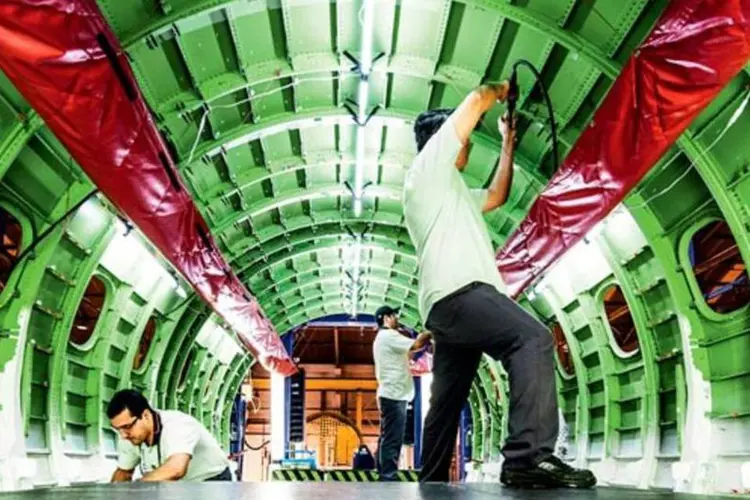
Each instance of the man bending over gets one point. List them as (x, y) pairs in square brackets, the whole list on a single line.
[(168, 445)]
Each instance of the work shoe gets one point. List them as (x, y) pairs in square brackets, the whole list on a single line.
[(549, 473)]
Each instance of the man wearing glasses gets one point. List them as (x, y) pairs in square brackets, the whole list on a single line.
[(168, 445)]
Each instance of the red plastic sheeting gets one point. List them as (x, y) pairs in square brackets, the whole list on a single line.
[(63, 58), (695, 49), (421, 364)]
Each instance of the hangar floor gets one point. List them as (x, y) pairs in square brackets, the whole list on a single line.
[(328, 491)]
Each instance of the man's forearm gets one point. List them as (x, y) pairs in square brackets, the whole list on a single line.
[(487, 95), (475, 105), (422, 340), (500, 187), (122, 476), (490, 93)]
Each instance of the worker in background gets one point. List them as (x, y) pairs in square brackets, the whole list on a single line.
[(168, 445), (463, 301), (392, 351)]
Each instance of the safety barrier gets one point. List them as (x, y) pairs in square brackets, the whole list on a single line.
[(352, 476), (298, 475), (408, 476), (339, 475)]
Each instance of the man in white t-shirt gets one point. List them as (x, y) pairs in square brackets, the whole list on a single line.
[(392, 351), (463, 301), (168, 445)]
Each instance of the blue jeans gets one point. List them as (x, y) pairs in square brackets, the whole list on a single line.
[(392, 429)]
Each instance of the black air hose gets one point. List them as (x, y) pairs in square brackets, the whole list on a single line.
[(513, 98)]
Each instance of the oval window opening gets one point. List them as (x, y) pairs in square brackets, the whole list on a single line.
[(146, 339), (718, 268), (334, 440), (185, 369), (88, 312), (563, 351), (620, 320), (11, 232)]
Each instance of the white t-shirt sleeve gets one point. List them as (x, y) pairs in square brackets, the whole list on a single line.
[(180, 437), (127, 455), (398, 343), (438, 157), (479, 197)]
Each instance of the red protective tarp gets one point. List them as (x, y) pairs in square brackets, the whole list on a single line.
[(695, 49), (64, 59), (420, 364)]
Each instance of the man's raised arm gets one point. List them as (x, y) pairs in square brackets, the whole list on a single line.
[(500, 187), (474, 105), (422, 340)]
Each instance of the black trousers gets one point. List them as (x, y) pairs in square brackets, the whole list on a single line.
[(392, 429), (225, 475), (474, 320)]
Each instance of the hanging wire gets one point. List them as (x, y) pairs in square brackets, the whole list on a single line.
[(732, 120), (249, 447), (295, 81)]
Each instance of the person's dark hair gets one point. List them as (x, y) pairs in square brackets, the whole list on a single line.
[(384, 311), (127, 399), (428, 123)]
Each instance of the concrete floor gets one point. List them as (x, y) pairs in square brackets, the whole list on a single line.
[(329, 491)]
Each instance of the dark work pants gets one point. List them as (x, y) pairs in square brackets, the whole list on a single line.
[(392, 429), (225, 475), (474, 320)]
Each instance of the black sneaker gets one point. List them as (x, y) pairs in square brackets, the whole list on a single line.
[(549, 473)]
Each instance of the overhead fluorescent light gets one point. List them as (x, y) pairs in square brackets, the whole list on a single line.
[(357, 250), (359, 172), (367, 38), (363, 95)]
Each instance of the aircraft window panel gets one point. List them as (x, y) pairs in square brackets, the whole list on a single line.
[(620, 320), (11, 234), (88, 313), (147, 338), (564, 357), (718, 268), (185, 369)]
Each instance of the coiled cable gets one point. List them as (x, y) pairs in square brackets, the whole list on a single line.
[(513, 99)]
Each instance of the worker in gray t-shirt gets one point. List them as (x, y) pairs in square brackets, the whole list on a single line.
[(391, 352), (167, 445), (463, 301)]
